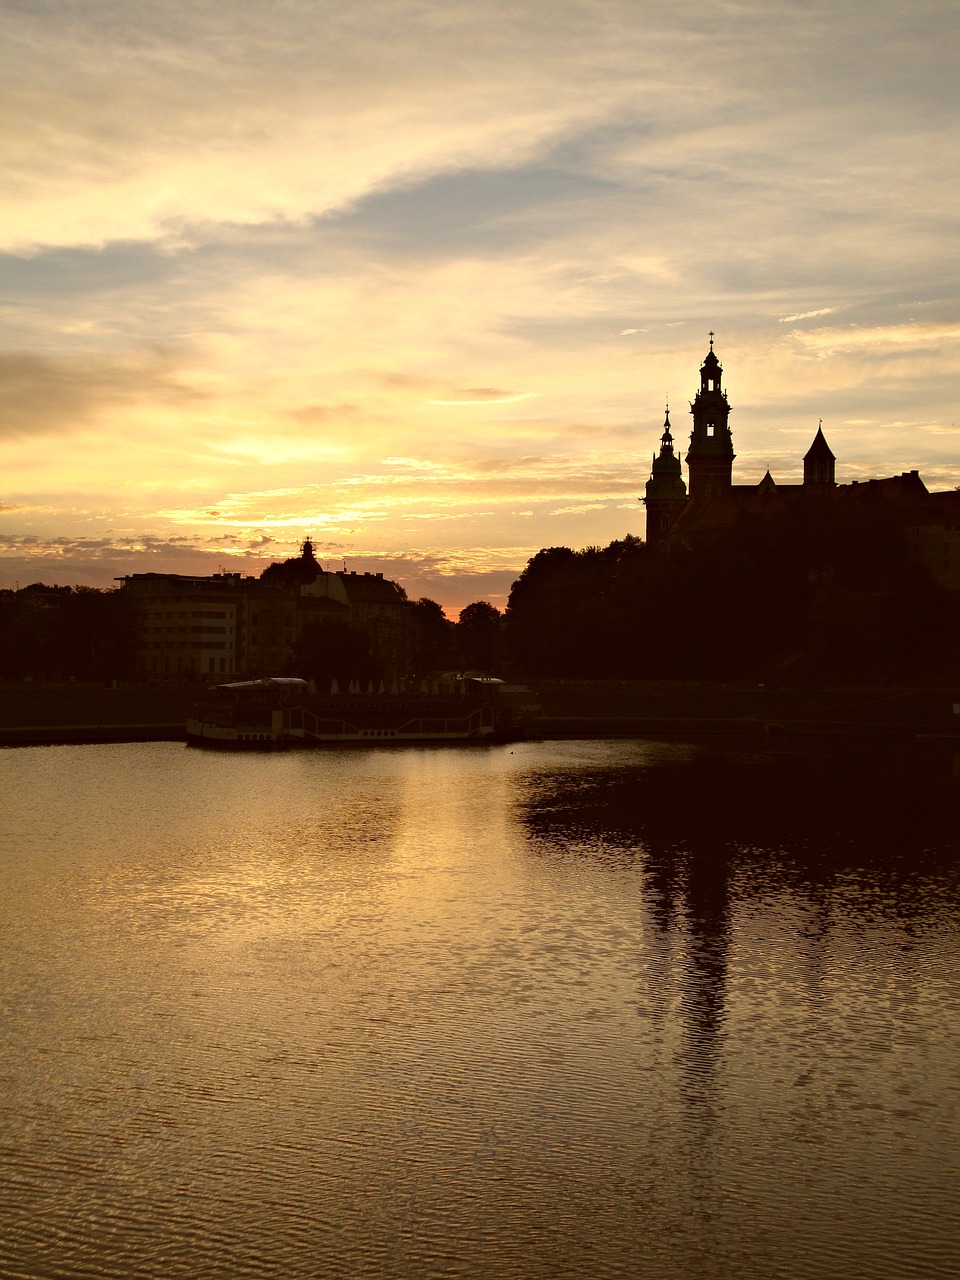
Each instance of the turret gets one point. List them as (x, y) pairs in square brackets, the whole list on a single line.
[(819, 464), (710, 456), (665, 491)]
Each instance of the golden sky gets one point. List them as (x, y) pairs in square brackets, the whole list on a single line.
[(415, 279)]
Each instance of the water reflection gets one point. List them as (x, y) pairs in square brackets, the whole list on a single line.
[(606, 1009), (836, 848), (879, 829)]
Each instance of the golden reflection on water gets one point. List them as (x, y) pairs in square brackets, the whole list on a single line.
[(599, 1009)]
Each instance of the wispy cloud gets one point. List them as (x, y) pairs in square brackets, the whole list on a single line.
[(879, 338), (807, 315), (41, 394), (487, 395)]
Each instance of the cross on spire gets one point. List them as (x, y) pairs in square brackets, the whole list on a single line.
[(711, 339)]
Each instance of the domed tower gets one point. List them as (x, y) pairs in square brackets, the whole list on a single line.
[(710, 456), (665, 490), (819, 463)]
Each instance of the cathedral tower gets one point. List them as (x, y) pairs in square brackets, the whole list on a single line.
[(666, 492), (710, 456)]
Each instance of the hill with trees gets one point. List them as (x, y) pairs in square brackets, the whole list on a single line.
[(823, 593)]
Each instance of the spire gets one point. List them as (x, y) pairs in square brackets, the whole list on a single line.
[(666, 440), (819, 463), (711, 371), (820, 445), (665, 491)]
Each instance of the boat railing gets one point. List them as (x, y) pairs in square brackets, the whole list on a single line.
[(307, 723)]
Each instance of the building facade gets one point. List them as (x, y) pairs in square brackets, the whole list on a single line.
[(188, 627), (226, 626)]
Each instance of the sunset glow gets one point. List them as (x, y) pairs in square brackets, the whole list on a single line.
[(417, 280)]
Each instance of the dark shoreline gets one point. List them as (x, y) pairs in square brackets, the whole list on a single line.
[(78, 734), (38, 713), (41, 714)]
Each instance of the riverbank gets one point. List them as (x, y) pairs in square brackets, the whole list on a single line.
[(680, 709), (33, 713)]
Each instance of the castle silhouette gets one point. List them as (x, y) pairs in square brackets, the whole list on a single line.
[(679, 513)]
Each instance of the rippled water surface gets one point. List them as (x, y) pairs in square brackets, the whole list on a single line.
[(561, 1009)]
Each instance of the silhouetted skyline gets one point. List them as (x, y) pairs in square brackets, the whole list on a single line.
[(417, 282)]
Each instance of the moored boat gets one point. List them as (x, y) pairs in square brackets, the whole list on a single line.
[(287, 711)]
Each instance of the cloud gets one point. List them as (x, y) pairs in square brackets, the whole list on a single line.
[(486, 395), (40, 394), (880, 338), (455, 576), (422, 465), (807, 315), (161, 123), (579, 508), (313, 414), (277, 450), (181, 118)]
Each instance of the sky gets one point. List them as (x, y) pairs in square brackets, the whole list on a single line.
[(416, 280)]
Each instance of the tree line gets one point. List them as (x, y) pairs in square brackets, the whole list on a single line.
[(334, 648), (830, 591), (66, 633)]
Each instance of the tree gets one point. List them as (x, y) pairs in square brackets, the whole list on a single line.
[(294, 573), (432, 636), (332, 649), (478, 635), (60, 633), (581, 613)]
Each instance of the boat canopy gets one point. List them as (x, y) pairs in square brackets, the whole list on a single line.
[(268, 682)]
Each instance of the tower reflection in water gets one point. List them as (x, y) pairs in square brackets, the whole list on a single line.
[(850, 840)]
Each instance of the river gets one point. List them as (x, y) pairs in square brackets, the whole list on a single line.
[(585, 1009)]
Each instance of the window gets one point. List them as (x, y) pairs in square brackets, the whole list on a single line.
[(710, 428)]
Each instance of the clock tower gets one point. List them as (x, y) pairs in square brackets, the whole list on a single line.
[(710, 455)]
